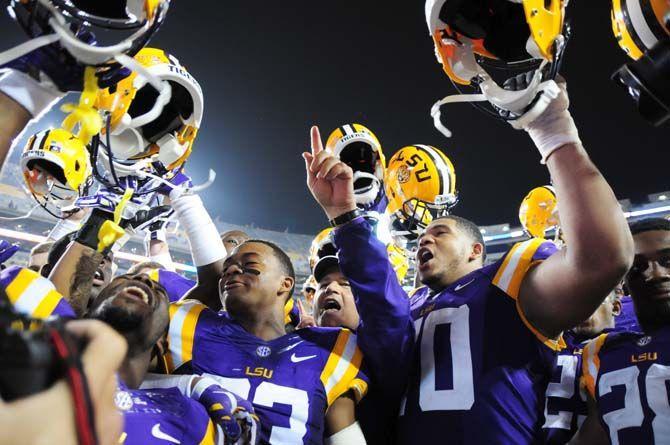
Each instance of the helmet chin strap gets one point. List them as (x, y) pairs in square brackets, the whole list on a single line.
[(513, 101)]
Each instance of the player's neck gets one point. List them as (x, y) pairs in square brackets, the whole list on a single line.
[(133, 370), (264, 324), (450, 278)]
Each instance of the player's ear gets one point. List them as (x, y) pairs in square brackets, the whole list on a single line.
[(616, 306), (161, 346), (287, 285), (477, 252)]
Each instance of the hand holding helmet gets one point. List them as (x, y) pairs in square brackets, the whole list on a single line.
[(470, 37)]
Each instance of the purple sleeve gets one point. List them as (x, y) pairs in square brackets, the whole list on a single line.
[(386, 331)]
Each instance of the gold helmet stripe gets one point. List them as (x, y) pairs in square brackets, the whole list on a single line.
[(443, 166), (436, 160), (43, 141)]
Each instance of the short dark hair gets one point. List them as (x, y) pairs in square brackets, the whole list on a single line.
[(135, 269), (57, 250), (649, 224), (282, 257), (471, 230)]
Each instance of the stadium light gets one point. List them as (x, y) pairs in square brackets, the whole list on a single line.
[(122, 255), (645, 212)]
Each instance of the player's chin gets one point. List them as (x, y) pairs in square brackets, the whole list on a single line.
[(332, 319)]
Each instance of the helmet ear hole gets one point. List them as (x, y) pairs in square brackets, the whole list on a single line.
[(76, 165)]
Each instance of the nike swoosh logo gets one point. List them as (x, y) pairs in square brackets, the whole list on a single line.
[(296, 359), (288, 348), (158, 434), (461, 286)]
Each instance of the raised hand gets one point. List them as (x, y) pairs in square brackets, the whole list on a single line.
[(330, 180)]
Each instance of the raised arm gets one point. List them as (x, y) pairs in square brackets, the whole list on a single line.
[(386, 332), (568, 287), (206, 246)]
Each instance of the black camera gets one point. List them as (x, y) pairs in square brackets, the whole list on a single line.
[(31, 361)]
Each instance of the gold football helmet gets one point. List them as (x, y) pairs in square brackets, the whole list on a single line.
[(420, 186), (509, 34), (538, 212), (56, 166), (642, 28), (146, 123), (322, 245), (359, 148)]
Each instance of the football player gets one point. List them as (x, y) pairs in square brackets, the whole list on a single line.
[(304, 385), (296, 404), (626, 374), (465, 342), (137, 308), (565, 405)]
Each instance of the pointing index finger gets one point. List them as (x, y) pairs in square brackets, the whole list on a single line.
[(317, 145)]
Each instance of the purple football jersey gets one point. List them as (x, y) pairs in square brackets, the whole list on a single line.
[(291, 381), (565, 406), (160, 416), (175, 284), (32, 294), (628, 375), (477, 368)]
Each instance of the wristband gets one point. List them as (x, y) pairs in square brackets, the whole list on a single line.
[(202, 234), (346, 217)]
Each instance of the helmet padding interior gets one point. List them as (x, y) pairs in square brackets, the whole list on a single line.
[(176, 111), (501, 23)]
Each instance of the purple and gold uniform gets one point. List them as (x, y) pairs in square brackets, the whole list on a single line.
[(565, 406), (628, 375), (291, 381), (160, 416), (175, 285), (478, 369), (32, 294)]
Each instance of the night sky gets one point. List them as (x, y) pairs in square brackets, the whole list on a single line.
[(269, 70)]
